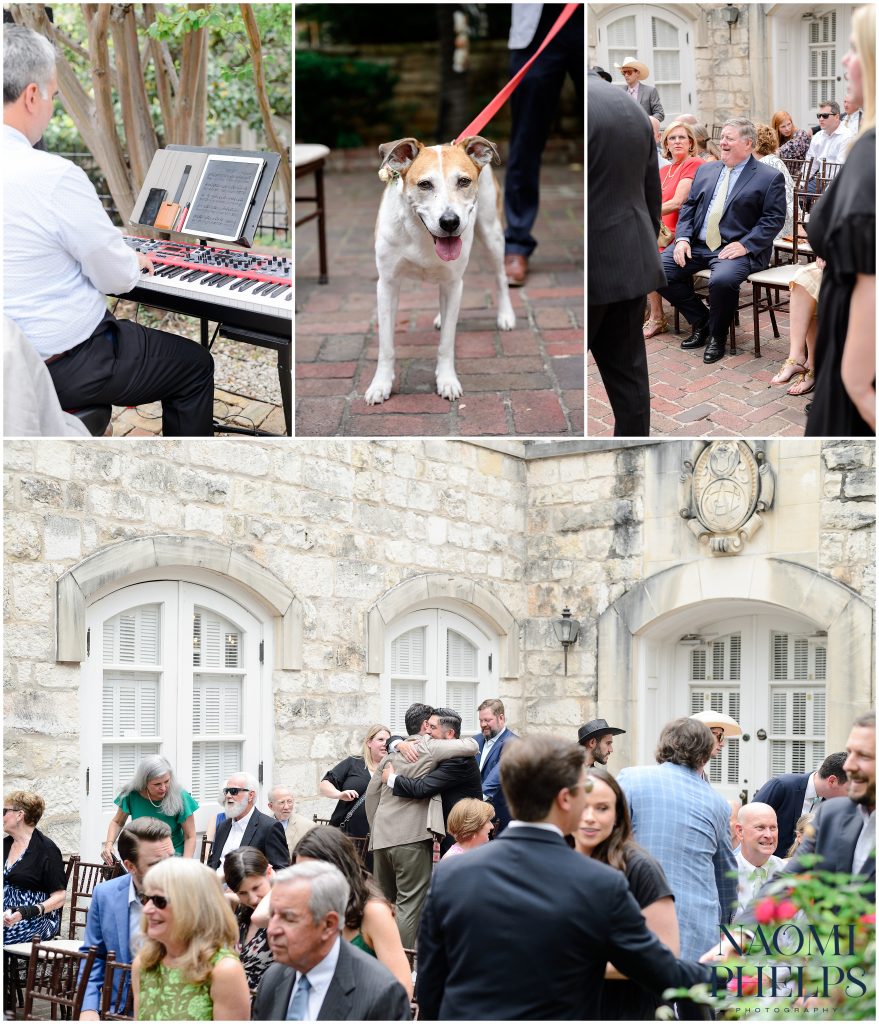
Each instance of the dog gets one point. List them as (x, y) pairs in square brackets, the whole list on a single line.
[(435, 200)]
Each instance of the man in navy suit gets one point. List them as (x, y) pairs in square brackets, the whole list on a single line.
[(797, 793), (495, 735), (113, 919), (736, 208), (550, 918)]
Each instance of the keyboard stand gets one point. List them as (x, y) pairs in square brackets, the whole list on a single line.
[(285, 373)]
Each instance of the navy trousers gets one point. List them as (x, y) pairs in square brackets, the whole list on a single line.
[(723, 287), (616, 341), (533, 107)]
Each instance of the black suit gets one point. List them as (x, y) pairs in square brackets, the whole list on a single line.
[(361, 989), (523, 928), (454, 780), (785, 795), (837, 825), (753, 214), (263, 832), (624, 202)]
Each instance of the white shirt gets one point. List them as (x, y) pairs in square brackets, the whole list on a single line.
[(547, 826), (829, 147), (809, 796), (135, 911), (61, 252), (319, 977), (751, 878), (236, 834), (523, 25)]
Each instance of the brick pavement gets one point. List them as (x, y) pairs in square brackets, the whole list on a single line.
[(527, 381), (729, 398)]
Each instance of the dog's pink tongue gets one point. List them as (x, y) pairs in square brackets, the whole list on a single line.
[(447, 248)]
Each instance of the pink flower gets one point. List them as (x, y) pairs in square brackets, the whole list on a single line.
[(867, 919), (764, 912), (747, 988), (785, 910)]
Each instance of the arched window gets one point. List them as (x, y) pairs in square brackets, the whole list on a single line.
[(437, 656), (179, 669)]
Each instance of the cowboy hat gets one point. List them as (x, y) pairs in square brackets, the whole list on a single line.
[(597, 727), (635, 65), (718, 720)]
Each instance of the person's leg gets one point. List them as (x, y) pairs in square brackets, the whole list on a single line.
[(679, 288), (656, 321), (802, 315), (412, 864), (385, 875), (723, 293), (616, 342)]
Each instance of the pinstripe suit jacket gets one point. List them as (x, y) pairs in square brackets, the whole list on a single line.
[(684, 823)]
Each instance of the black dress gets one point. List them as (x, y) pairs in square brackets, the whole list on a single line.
[(625, 1000), (351, 773), (842, 231)]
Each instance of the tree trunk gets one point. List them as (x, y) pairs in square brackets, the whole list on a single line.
[(139, 132), (255, 47)]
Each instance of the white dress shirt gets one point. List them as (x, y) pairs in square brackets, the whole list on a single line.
[(236, 834), (135, 911), (486, 750), (319, 977), (810, 796), (829, 147), (751, 878), (61, 252)]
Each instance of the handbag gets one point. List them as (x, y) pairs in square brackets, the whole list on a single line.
[(343, 824), (665, 236)]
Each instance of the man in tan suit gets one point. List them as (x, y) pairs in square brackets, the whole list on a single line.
[(401, 830), (282, 806)]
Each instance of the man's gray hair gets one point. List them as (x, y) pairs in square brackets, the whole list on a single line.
[(744, 127), (28, 58), (329, 889), (834, 106)]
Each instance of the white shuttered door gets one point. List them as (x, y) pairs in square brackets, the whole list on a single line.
[(177, 672)]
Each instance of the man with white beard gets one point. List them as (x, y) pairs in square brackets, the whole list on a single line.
[(247, 826)]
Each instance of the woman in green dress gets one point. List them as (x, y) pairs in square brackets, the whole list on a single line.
[(187, 968), (153, 792)]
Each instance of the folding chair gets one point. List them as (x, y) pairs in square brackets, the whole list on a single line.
[(206, 846), (85, 877), (361, 843), (117, 996), (57, 977)]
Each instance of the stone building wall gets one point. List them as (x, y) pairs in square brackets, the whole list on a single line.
[(341, 523)]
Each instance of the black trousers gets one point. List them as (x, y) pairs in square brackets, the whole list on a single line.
[(723, 287), (616, 341), (125, 363), (533, 106)]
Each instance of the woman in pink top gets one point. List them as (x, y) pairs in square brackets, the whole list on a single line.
[(470, 823), (679, 146)]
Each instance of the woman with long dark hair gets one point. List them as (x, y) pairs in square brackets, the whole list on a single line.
[(605, 834), (247, 872)]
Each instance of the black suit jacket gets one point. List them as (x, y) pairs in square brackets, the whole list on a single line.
[(361, 989), (624, 198), (785, 794), (453, 780), (264, 832), (753, 214), (837, 826), (523, 928)]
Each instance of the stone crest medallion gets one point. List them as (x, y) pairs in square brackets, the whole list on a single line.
[(725, 485)]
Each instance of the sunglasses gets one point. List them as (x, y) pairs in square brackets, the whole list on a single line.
[(822, 116), (159, 902), (235, 790)]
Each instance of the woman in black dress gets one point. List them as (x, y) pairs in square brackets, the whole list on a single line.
[(605, 833), (842, 230), (34, 883), (347, 782)]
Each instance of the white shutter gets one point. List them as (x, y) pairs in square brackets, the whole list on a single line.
[(407, 653), (132, 637), (408, 674), (402, 695), (797, 723), (118, 764), (622, 42)]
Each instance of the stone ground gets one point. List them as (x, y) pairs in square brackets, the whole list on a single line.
[(729, 398), (526, 381)]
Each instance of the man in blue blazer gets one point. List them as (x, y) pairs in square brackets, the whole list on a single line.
[(736, 208), (797, 793), (494, 736), (114, 913)]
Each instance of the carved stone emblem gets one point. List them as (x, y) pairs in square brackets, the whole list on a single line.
[(725, 485)]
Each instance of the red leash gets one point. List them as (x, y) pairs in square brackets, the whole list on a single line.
[(482, 119)]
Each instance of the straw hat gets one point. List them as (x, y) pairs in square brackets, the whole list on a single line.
[(634, 65)]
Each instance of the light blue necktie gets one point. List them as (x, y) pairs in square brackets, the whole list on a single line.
[(298, 1009)]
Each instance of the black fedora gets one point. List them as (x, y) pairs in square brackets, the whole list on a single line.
[(597, 727)]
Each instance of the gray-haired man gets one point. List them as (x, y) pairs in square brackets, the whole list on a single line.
[(317, 976)]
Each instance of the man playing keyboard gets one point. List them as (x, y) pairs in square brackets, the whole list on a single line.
[(61, 254)]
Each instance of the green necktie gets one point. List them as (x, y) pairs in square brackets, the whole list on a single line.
[(712, 235)]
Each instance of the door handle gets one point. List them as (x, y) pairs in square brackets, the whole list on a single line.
[(743, 797)]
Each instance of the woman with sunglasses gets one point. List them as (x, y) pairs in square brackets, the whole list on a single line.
[(247, 873), (153, 792), (605, 834), (369, 919), (187, 968), (33, 872)]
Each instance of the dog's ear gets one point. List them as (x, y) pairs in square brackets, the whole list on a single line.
[(480, 150), (397, 156)]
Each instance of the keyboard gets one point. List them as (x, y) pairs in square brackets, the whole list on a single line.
[(236, 287)]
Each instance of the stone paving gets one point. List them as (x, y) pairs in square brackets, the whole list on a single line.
[(729, 398), (527, 381)]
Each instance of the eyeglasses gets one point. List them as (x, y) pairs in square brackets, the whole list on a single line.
[(822, 116), (717, 734), (235, 790), (159, 902), (9, 810)]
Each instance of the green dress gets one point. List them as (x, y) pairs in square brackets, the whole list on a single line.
[(138, 807), (166, 995)]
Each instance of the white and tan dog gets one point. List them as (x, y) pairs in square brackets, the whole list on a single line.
[(436, 197)]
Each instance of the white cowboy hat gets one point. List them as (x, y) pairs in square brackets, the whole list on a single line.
[(635, 65), (718, 720)]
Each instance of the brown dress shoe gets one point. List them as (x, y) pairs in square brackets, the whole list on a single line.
[(516, 267)]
